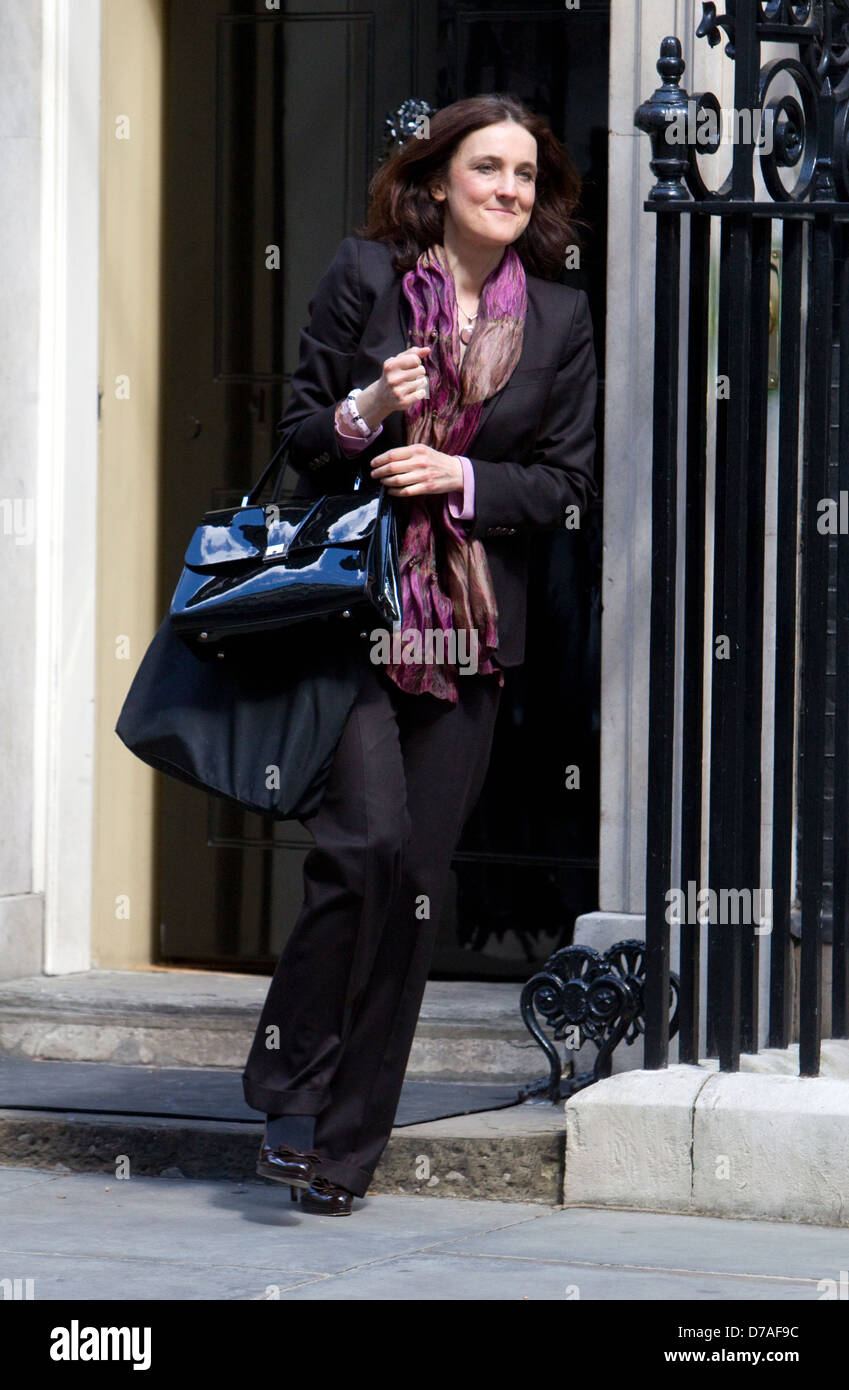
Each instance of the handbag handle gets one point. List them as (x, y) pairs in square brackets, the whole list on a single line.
[(250, 498)]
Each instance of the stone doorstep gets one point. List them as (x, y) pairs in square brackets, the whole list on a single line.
[(694, 1140), (689, 1140), (498, 1155), (641, 1140), (207, 1019)]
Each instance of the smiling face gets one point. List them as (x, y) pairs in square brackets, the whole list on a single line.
[(491, 185)]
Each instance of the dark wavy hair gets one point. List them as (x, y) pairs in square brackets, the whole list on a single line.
[(402, 212)]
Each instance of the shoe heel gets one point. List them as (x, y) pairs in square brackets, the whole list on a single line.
[(293, 1194)]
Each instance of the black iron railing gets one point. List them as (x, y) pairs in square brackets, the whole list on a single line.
[(785, 200)]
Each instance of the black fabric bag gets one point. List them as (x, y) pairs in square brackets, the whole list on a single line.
[(258, 725)]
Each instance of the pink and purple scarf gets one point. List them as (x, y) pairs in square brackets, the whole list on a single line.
[(445, 578)]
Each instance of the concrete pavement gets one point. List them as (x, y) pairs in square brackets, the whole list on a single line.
[(90, 1236)]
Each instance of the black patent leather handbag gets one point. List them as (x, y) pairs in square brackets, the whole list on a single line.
[(253, 567)]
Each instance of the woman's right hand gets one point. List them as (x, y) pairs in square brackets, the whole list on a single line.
[(402, 382)]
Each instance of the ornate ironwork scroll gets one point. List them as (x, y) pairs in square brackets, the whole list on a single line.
[(582, 996), (802, 103)]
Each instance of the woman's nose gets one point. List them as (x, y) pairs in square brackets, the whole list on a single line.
[(507, 186)]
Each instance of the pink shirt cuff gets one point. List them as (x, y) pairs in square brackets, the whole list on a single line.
[(461, 505), (354, 443)]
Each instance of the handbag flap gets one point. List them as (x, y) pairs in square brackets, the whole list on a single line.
[(344, 520), (257, 533), (243, 533)]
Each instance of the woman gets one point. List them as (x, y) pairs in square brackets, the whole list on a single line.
[(445, 361)]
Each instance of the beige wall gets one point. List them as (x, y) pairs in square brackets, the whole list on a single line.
[(131, 244)]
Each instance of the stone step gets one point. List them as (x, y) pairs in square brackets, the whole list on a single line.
[(515, 1154), (197, 1018)]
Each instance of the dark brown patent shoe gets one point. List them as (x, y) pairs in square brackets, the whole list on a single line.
[(326, 1198), (283, 1164)]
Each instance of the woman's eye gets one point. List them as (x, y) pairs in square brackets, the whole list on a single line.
[(482, 168)]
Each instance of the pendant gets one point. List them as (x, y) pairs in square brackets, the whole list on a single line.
[(466, 334)]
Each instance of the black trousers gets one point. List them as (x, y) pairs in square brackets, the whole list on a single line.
[(338, 1023)]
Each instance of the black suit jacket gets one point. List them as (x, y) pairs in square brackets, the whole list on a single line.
[(534, 448)]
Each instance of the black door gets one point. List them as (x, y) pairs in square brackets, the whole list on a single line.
[(275, 121)]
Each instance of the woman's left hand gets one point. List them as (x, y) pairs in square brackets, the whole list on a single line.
[(411, 469)]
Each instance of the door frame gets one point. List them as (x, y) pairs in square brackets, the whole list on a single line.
[(132, 36)]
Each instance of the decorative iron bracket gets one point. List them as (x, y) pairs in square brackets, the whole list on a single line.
[(584, 996)]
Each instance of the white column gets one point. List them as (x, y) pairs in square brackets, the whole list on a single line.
[(20, 534), (636, 34), (64, 613)]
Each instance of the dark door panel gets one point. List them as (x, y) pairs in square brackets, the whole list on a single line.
[(275, 122)]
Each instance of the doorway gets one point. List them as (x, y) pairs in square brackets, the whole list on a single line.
[(274, 124)]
